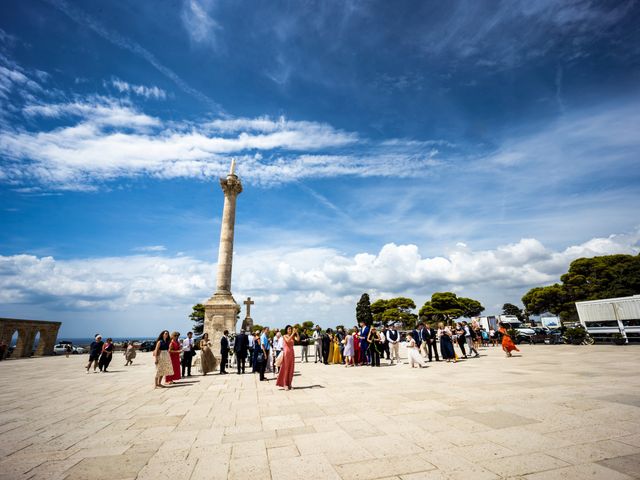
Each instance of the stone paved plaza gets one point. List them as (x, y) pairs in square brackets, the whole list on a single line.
[(556, 412)]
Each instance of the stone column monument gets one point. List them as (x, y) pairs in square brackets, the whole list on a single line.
[(221, 310)]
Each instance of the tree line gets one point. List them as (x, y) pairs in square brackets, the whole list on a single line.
[(587, 279)]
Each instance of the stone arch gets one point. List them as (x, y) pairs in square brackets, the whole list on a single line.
[(27, 332), (39, 341)]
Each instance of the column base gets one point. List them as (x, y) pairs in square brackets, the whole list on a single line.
[(220, 314)]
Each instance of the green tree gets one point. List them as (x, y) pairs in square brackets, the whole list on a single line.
[(395, 310), (197, 316), (308, 325), (594, 278), (511, 309), (363, 310), (447, 306)]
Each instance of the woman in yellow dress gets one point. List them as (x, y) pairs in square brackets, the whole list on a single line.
[(337, 357), (331, 348)]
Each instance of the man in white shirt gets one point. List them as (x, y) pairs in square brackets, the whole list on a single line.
[(187, 354), (317, 341), (278, 345), (393, 338)]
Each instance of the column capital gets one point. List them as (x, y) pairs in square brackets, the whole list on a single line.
[(231, 185)]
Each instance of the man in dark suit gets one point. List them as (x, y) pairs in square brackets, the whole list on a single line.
[(432, 343), (416, 334), (224, 352), (326, 343), (241, 347), (364, 343)]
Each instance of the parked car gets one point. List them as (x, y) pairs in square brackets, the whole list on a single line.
[(147, 346), (525, 335), (61, 349)]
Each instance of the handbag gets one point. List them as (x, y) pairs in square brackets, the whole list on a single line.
[(260, 357)]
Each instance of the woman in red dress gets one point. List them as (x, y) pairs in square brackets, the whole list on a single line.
[(356, 347), (174, 353), (285, 377), (507, 344)]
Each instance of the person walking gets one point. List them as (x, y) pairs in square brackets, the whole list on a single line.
[(129, 353), (393, 340), (287, 367), (174, 354), (188, 351), (224, 352), (461, 338), (470, 335), (507, 342), (106, 355), (304, 343), (241, 347), (161, 358), (95, 349), (265, 347), (413, 354), (207, 359), (67, 350), (317, 342)]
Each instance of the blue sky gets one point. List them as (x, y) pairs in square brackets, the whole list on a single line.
[(396, 148)]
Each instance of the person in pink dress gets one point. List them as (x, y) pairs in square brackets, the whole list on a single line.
[(174, 352), (285, 377)]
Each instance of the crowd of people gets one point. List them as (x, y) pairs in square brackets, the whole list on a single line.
[(262, 352)]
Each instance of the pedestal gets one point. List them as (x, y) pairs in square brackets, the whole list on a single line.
[(247, 324), (220, 314)]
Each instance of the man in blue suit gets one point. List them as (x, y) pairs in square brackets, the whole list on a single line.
[(416, 333), (364, 344)]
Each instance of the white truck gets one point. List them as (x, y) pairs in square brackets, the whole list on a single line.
[(607, 317)]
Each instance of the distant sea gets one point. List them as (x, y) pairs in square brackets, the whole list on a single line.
[(86, 341)]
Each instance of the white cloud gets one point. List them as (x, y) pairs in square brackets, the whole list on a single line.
[(200, 26), (151, 248), (287, 282), (140, 90), (136, 49)]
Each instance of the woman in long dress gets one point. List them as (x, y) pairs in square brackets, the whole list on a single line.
[(129, 353), (507, 343), (414, 353), (337, 356), (285, 377), (106, 355), (207, 360), (174, 354), (356, 347), (331, 347), (348, 349), (162, 359), (446, 343), (375, 346)]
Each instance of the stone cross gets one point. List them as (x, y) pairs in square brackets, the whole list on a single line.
[(248, 302)]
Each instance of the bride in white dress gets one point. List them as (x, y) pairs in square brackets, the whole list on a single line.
[(413, 353)]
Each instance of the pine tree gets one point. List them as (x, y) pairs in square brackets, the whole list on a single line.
[(363, 310)]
